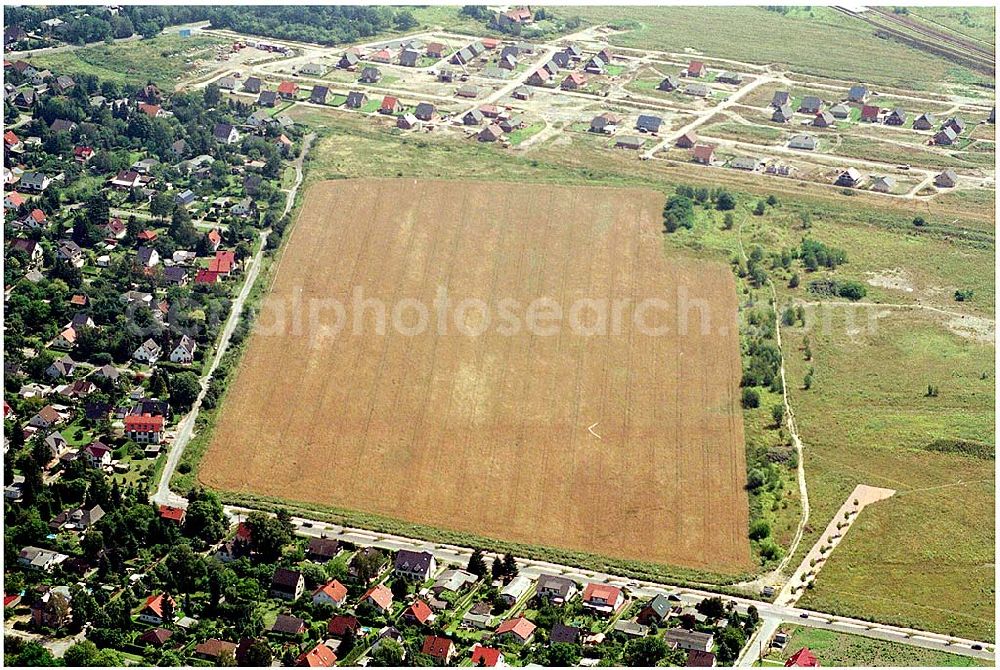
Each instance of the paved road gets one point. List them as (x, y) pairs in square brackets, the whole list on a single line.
[(185, 429), (772, 615)]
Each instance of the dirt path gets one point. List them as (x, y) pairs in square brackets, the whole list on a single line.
[(185, 428)]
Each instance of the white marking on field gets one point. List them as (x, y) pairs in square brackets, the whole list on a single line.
[(591, 429)]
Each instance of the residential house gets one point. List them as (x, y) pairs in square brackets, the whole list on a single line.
[(472, 118), (332, 593), (390, 105), (810, 104), (468, 91), (445, 75), (322, 549), (840, 111), (955, 123), (43, 560), (669, 83), (342, 624), (34, 182), (490, 133), (424, 111), (356, 100), (896, 117), (631, 628), (850, 178), (314, 69), (803, 658), (287, 584), (630, 142), (806, 142), (858, 93), (748, 163), (869, 113), (175, 515), (703, 153), (486, 657), (883, 184), (647, 123), (370, 75), (82, 154), (539, 77), (925, 121), (267, 98), (148, 352), (945, 137), (418, 613), (515, 590), (603, 599), (563, 634), (348, 60), (319, 94), (30, 247), (453, 581), (147, 257), (680, 638), (409, 58), (252, 85), (687, 140), (52, 609), (696, 68), (70, 251), (183, 352), (518, 629), (155, 637), (320, 656), (824, 119), (62, 367), (285, 624), (697, 90), (225, 133), (144, 428), (415, 565), (441, 649), (436, 50), (730, 78), (153, 611), (479, 616), (288, 90), (596, 65), (227, 83), (947, 179), (606, 123), (62, 126), (656, 611), (574, 81), (698, 658), (557, 590), (175, 275), (213, 649), (126, 180), (379, 596)]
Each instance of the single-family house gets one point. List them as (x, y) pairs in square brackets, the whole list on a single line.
[(225, 133), (158, 609), (287, 584), (695, 68), (356, 100), (319, 94), (668, 83), (850, 178), (518, 629), (603, 599), (647, 123), (680, 638), (883, 184), (703, 153), (415, 565), (810, 104), (802, 141), (148, 352), (332, 593), (858, 93), (896, 117), (515, 590), (441, 649), (379, 596), (947, 179), (555, 589)]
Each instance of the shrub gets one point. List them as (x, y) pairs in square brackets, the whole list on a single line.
[(760, 529), (751, 398)]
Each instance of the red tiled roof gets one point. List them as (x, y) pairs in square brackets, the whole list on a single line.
[(287, 87), (169, 513), (519, 626), (15, 198), (147, 235), (420, 611), (342, 623), (704, 152), (223, 262), (155, 603), (213, 648), (389, 102), (485, 656), (8, 600), (436, 647), (490, 42), (143, 423), (148, 109), (803, 658), (82, 151), (206, 277), (319, 656), (334, 590), (380, 595), (38, 215), (605, 592), (869, 112), (10, 139), (696, 66)]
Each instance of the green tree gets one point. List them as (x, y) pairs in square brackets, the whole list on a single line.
[(728, 221), (759, 209), (259, 655), (161, 205), (751, 398), (477, 564), (725, 202), (645, 652), (184, 390), (778, 414), (389, 654), (509, 565)]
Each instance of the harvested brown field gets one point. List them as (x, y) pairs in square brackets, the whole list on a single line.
[(617, 441)]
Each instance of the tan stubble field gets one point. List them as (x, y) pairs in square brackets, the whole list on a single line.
[(491, 434)]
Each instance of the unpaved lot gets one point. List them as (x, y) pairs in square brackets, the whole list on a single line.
[(625, 443)]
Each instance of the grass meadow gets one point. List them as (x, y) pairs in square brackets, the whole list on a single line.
[(841, 649)]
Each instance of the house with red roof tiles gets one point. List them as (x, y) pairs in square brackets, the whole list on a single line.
[(518, 629), (439, 648), (319, 656), (487, 657), (152, 611)]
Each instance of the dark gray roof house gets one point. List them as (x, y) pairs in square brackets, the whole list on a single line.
[(944, 137), (780, 99), (699, 90), (669, 83), (807, 142), (473, 118), (555, 588), (322, 549), (319, 94), (252, 85), (424, 111), (370, 75), (268, 98), (409, 58), (840, 110), (782, 114), (947, 179), (896, 117), (857, 93), (349, 59), (417, 564), (744, 163), (824, 119), (356, 100), (925, 121), (565, 634), (648, 123), (810, 104)]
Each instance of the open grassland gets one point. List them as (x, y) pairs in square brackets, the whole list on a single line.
[(159, 59), (787, 38), (977, 23), (489, 434), (842, 649), (924, 557)]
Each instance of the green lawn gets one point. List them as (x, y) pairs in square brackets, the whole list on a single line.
[(521, 134), (160, 59), (841, 649)]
